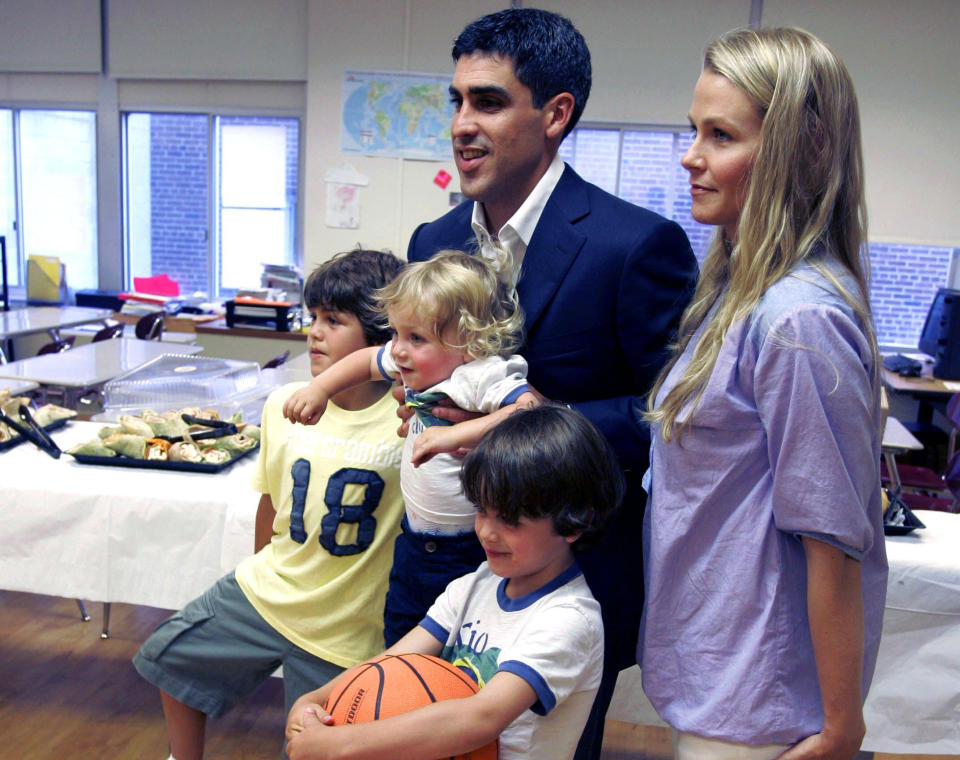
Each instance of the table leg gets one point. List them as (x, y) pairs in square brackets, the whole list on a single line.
[(891, 461), (83, 611), (105, 633)]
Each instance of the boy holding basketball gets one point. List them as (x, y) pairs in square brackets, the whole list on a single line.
[(524, 625), (311, 597)]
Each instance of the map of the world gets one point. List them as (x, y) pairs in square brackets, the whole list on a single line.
[(392, 113)]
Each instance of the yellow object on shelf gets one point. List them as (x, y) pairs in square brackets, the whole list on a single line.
[(46, 279)]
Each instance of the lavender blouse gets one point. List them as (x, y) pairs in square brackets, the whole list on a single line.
[(784, 443)]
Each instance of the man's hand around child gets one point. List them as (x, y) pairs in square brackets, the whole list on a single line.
[(307, 405), (444, 410), (438, 439)]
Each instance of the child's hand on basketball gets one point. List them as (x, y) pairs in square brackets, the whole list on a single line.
[(438, 439), (311, 742), (307, 405), (305, 711)]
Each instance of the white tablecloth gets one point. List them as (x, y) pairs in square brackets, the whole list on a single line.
[(160, 538), (914, 702), (119, 534)]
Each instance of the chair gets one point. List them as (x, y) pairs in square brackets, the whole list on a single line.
[(56, 346), (276, 361), (933, 503), (109, 332), (150, 326), (924, 481)]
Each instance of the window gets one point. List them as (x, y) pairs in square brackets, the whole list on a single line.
[(209, 199), (643, 167), (48, 191)]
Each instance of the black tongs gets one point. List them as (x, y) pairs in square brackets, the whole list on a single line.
[(218, 428), (32, 431)]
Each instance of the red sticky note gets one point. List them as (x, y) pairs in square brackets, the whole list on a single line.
[(442, 179)]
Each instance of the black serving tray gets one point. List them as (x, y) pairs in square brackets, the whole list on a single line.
[(911, 523), (55, 425), (898, 518), (158, 464)]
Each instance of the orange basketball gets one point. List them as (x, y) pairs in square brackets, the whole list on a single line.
[(396, 683)]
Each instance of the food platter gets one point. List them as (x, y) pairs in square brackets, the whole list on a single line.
[(178, 439), (157, 464), (17, 440), (20, 421)]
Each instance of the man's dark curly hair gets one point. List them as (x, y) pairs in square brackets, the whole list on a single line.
[(549, 461), (549, 55)]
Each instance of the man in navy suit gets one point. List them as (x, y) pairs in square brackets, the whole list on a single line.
[(602, 282)]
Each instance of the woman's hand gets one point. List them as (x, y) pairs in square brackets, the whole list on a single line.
[(828, 745)]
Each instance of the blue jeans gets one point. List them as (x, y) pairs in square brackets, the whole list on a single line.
[(423, 565)]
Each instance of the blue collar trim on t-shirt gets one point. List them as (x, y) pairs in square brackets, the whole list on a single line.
[(522, 602)]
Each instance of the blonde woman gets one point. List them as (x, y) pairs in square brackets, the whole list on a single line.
[(455, 323), (765, 563)]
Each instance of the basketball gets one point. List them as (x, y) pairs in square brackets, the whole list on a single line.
[(392, 684)]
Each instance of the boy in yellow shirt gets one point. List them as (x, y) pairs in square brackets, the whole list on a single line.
[(311, 598)]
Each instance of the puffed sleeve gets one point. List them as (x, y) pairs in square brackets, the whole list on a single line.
[(485, 385), (388, 367), (816, 397)]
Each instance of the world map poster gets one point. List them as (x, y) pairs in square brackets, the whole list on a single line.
[(396, 114)]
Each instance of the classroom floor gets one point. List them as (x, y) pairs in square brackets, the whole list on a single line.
[(64, 692)]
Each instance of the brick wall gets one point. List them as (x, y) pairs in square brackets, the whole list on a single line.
[(904, 281), (178, 198), (179, 160)]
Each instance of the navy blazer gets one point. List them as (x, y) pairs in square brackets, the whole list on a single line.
[(603, 285)]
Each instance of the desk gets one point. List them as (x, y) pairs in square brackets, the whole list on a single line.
[(16, 387), (117, 534), (896, 439), (38, 319), (259, 344), (92, 364), (926, 389), (912, 704)]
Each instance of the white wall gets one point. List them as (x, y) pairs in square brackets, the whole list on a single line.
[(646, 56), (372, 34), (50, 35), (903, 60), (290, 55), (201, 39)]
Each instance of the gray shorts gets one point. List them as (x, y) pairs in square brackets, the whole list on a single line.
[(218, 649)]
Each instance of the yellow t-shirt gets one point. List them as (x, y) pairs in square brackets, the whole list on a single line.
[(335, 486)]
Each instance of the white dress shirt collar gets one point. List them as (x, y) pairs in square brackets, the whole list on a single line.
[(515, 235)]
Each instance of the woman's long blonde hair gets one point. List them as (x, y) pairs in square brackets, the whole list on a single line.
[(804, 195)]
